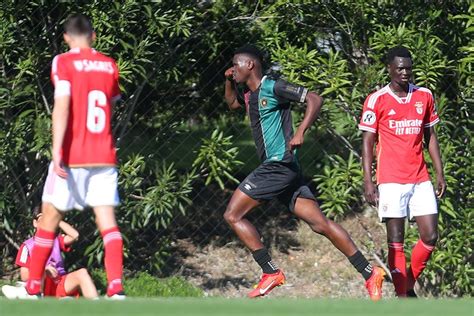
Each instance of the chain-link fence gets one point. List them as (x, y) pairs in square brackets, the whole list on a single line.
[(182, 152)]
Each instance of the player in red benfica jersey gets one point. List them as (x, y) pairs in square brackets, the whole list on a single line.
[(398, 118), (82, 173)]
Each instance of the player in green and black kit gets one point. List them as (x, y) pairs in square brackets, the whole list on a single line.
[(268, 106)]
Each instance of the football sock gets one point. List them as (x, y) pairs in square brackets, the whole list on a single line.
[(113, 245), (43, 246), (361, 264), (265, 261), (420, 255), (398, 270)]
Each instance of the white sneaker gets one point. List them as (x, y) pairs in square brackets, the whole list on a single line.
[(17, 292), (116, 297)]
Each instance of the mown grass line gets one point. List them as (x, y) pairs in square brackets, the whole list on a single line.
[(229, 307)]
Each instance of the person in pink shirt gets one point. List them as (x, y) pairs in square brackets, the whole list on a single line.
[(56, 282)]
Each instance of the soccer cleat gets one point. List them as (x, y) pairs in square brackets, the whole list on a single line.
[(374, 284), (267, 283), (120, 296), (18, 292), (411, 294)]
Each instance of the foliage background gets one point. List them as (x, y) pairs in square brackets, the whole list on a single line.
[(181, 152)]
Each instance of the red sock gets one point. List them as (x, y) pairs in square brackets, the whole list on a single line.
[(113, 246), (39, 255), (420, 255), (398, 270)]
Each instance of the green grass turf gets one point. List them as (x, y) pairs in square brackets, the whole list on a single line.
[(228, 307)]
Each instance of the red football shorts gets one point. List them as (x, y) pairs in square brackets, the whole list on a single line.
[(56, 288)]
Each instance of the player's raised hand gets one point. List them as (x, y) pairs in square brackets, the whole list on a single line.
[(229, 73), (440, 186), (51, 271), (296, 141), (371, 193)]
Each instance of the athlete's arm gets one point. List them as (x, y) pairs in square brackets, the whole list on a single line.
[(60, 120), (431, 140), (71, 234), (371, 193), (230, 93), (24, 274), (314, 103)]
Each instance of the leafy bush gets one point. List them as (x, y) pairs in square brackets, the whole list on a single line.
[(217, 158), (151, 198), (172, 60), (340, 185)]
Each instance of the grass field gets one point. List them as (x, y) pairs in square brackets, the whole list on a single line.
[(227, 307)]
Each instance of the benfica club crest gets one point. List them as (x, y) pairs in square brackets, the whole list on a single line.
[(419, 107)]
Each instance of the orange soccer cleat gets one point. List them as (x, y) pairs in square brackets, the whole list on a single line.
[(267, 283), (374, 284)]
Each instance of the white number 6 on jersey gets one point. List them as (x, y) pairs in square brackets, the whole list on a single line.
[(95, 113)]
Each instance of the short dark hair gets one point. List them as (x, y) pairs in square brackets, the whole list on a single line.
[(78, 24), (251, 50), (397, 51), (37, 212)]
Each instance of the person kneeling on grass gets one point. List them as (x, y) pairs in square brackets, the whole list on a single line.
[(56, 282)]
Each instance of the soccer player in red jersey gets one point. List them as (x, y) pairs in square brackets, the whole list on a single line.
[(398, 117), (279, 176), (57, 281), (83, 171)]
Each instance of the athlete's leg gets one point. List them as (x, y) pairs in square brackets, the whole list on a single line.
[(421, 253), (50, 218), (113, 245), (105, 217), (309, 211), (44, 239), (240, 205), (80, 280), (396, 254)]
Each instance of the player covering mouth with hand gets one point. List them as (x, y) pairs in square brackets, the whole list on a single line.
[(267, 102)]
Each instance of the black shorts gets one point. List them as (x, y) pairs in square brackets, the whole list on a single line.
[(276, 180)]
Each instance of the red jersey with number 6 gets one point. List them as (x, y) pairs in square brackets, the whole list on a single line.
[(90, 79), (399, 123)]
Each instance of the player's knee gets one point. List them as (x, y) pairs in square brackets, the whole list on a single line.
[(229, 216), (320, 227), (430, 239), (395, 236), (82, 273)]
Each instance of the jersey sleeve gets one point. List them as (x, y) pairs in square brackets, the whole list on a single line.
[(60, 77), (116, 96), (62, 245), (289, 91), (369, 119), (23, 257), (431, 116)]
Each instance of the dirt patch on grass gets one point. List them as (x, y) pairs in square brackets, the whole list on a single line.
[(313, 266)]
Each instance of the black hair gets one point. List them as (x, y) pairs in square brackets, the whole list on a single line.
[(37, 212), (397, 51), (252, 51), (78, 24)]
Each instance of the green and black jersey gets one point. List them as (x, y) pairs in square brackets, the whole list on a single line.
[(270, 118)]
